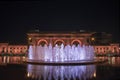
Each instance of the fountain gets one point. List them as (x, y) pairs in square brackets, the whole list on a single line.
[(60, 53)]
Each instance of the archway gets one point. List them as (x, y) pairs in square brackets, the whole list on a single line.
[(76, 42), (59, 42), (42, 42)]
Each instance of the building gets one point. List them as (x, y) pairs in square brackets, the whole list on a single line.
[(14, 49), (41, 38), (107, 49), (100, 41), (101, 38)]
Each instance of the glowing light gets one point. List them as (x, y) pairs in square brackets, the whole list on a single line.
[(29, 39), (28, 74), (94, 74), (92, 38), (23, 58), (61, 53), (113, 60)]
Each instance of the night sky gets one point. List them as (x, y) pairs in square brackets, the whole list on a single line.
[(18, 17)]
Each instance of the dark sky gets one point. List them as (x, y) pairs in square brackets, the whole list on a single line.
[(18, 17)]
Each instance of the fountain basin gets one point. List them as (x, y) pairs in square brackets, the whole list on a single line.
[(78, 62)]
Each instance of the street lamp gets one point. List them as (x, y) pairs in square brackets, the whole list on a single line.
[(92, 40)]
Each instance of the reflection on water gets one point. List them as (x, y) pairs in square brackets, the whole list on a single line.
[(43, 72), (104, 71), (111, 60), (10, 59)]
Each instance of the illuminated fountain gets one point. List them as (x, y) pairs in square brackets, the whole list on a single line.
[(61, 53)]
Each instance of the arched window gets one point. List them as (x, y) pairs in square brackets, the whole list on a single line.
[(76, 42), (42, 42), (59, 42)]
